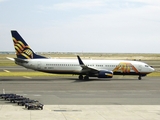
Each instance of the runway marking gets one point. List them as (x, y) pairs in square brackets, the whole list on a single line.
[(37, 95), (6, 71), (27, 77), (67, 110)]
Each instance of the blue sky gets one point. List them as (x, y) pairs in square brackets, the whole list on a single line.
[(107, 26)]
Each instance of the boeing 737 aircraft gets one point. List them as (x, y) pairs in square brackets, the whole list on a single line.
[(84, 68)]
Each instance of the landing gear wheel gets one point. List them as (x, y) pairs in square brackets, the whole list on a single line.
[(86, 77), (139, 78), (80, 77)]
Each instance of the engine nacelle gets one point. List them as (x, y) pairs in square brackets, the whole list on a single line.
[(105, 74)]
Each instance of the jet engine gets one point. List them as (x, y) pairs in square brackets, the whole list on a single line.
[(105, 74)]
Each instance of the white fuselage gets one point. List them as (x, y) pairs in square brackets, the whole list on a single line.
[(71, 66)]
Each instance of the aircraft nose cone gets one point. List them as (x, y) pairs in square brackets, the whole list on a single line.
[(152, 69)]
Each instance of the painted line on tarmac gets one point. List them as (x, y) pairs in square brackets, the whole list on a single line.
[(27, 77), (37, 95), (48, 109), (6, 71)]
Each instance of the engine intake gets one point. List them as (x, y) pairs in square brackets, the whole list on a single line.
[(105, 74)]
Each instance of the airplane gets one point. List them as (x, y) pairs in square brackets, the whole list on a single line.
[(27, 58)]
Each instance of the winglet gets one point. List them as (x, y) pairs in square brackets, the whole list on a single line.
[(80, 61)]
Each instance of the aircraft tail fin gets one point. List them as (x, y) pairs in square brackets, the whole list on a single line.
[(23, 51)]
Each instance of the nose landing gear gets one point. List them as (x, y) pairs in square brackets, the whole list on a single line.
[(140, 77)]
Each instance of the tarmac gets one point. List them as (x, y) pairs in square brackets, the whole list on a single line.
[(67, 98), (82, 112)]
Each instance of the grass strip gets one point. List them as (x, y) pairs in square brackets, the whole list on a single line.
[(7, 64), (2, 74), (154, 74)]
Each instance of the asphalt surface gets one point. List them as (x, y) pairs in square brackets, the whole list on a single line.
[(67, 98), (71, 91)]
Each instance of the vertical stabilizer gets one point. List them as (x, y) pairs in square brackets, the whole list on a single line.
[(22, 49)]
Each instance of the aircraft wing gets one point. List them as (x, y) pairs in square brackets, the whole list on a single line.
[(85, 68)]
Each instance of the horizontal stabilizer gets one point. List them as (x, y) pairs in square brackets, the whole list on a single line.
[(19, 60), (10, 58)]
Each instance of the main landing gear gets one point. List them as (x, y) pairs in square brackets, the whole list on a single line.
[(85, 77), (140, 77), (80, 77)]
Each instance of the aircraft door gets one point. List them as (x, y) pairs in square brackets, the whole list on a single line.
[(140, 68)]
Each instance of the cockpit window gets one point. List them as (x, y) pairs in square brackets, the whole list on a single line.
[(146, 65)]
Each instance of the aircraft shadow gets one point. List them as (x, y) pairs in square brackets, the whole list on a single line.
[(71, 79)]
